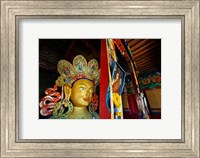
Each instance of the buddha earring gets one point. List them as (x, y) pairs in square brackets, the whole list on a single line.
[(59, 109), (93, 106), (95, 102)]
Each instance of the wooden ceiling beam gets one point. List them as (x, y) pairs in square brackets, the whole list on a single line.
[(147, 58), (148, 68), (151, 60), (138, 45), (133, 42), (129, 40), (152, 52), (144, 50), (148, 61), (154, 62)]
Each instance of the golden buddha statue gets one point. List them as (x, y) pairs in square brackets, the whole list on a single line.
[(79, 82)]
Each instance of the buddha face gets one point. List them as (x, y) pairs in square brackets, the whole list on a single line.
[(81, 93)]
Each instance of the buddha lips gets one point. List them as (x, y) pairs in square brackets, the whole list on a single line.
[(86, 99)]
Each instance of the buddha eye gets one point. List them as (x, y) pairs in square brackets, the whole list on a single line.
[(82, 88)]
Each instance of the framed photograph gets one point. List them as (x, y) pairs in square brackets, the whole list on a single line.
[(59, 59)]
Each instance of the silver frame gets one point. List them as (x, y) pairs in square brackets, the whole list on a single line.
[(187, 11)]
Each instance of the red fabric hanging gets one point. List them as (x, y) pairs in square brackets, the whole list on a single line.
[(104, 80), (133, 104)]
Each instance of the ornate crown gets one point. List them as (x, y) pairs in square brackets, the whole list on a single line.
[(79, 70)]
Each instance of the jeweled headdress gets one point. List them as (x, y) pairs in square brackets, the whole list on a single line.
[(79, 70)]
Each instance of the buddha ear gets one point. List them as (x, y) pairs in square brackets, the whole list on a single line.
[(67, 91)]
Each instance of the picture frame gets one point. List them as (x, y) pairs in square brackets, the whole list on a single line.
[(13, 11)]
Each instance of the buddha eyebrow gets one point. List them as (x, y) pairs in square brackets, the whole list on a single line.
[(89, 87), (83, 85)]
